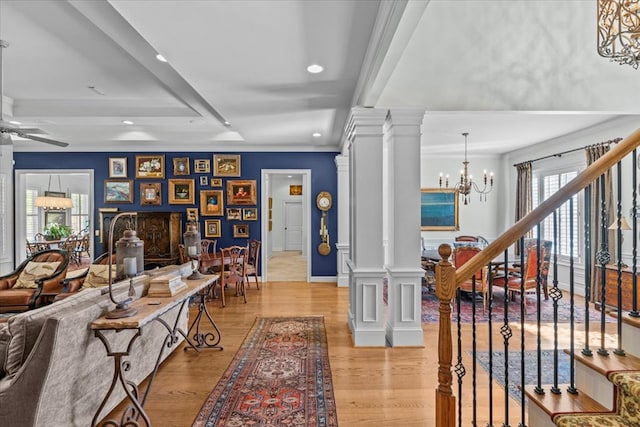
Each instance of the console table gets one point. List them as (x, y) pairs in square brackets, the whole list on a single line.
[(149, 310), (611, 287)]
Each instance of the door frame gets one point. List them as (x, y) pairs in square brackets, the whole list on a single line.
[(265, 193)]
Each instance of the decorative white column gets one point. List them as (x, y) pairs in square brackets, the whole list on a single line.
[(342, 243), (402, 134), (366, 271)]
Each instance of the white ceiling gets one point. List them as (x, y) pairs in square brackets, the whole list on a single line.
[(511, 73)]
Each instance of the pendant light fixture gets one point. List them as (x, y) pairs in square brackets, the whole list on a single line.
[(54, 202)]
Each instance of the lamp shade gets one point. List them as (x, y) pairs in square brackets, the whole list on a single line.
[(49, 202), (129, 255), (624, 225), (192, 241)]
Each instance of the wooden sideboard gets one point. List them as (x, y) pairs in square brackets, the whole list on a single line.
[(161, 233), (611, 287)]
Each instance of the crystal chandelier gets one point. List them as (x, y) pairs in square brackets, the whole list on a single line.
[(466, 183), (619, 31)]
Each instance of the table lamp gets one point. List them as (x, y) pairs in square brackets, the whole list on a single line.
[(129, 263), (193, 248)]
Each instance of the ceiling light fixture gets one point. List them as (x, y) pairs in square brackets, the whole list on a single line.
[(127, 122), (315, 68), (15, 122), (161, 58), (316, 134), (619, 31), (53, 200), (466, 183), (226, 123)]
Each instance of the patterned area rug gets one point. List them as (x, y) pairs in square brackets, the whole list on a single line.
[(280, 376), (430, 305), (531, 368)]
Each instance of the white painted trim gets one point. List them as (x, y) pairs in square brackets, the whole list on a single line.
[(324, 279)]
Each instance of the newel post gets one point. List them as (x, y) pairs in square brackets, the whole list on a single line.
[(445, 290)]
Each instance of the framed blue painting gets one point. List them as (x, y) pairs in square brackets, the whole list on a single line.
[(439, 209)]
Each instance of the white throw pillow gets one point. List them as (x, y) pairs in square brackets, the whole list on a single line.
[(98, 276), (34, 271)]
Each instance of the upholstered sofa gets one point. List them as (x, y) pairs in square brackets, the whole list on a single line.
[(55, 372)]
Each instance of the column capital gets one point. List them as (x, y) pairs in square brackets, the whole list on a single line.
[(342, 162), (406, 116), (365, 122)]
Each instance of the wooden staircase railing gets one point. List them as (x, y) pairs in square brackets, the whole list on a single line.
[(448, 278)]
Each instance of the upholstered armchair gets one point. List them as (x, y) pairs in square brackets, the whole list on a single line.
[(73, 284), (37, 276), (478, 281)]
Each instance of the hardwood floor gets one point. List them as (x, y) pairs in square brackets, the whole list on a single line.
[(287, 266), (383, 386)]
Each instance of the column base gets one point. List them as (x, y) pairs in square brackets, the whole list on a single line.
[(343, 269), (404, 323)]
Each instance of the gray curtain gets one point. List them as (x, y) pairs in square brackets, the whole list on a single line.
[(593, 153), (524, 199)]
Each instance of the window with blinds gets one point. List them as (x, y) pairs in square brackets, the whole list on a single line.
[(4, 208), (32, 224), (544, 186), (80, 212)]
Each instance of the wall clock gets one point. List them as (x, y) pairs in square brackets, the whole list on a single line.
[(324, 202)]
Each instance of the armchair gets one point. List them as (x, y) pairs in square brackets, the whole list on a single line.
[(74, 284), (478, 281), (37, 276)]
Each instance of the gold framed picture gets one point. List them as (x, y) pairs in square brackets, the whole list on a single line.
[(226, 165), (181, 192), (181, 166), (212, 228), (241, 192), (118, 191), (192, 214), (211, 203), (202, 165), (295, 190), (240, 230), (250, 214), (150, 166), (234, 214), (439, 209), (117, 167), (216, 182), (150, 193)]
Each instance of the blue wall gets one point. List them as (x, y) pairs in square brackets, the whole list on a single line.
[(323, 178)]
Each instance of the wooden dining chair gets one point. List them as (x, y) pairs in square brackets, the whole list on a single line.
[(234, 259), (251, 266), (478, 281)]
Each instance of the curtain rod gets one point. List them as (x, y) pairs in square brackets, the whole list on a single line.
[(611, 141)]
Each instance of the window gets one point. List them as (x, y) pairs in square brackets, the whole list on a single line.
[(80, 212), (4, 208), (32, 215), (546, 184)]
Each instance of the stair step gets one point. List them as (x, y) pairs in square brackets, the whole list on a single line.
[(604, 420), (563, 403), (606, 365), (633, 321)]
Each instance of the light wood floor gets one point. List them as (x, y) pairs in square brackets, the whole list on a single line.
[(287, 266), (372, 386)]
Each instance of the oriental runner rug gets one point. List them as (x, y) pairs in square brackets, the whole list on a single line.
[(280, 376)]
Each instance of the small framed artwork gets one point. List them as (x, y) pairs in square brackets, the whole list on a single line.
[(181, 192), (192, 214), (211, 203), (295, 190), (57, 217), (439, 209), (241, 192), (216, 182), (211, 228), (181, 166), (204, 180), (150, 194), (118, 191), (250, 214), (270, 225), (240, 230), (150, 166), (226, 165), (234, 214), (117, 167), (202, 165), (270, 202)]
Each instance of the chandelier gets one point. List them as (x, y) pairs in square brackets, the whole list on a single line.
[(466, 183), (619, 31), (54, 200)]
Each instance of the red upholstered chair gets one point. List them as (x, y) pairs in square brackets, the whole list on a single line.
[(15, 297), (463, 254)]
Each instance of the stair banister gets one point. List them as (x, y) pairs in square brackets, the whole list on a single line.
[(520, 228)]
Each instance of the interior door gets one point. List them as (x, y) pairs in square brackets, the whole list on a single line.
[(292, 226)]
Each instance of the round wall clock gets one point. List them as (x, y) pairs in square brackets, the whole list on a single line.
[(323, 201)]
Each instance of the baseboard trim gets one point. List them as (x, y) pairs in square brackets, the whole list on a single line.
[(327, 279)]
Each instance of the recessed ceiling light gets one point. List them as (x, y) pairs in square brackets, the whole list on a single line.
[(289, 176), (226, 123), (161, 58), (15, 122), (316, 134), (315, 68), (127, 122)]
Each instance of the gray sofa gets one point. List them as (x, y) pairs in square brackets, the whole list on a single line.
[(56, 372)]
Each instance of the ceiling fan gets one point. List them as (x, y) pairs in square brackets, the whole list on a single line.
[(7, 129)]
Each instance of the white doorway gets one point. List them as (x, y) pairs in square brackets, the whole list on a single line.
[(292, 226), (276, 215)]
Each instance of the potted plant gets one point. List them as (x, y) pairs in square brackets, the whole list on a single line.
[(55, 231)]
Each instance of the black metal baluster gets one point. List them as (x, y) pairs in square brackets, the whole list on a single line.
[(634, 250), (539, 256), (523, 302), (572, 322), (588, 265), (490, 342), (474, 349), (603, 257), (459, 369), (506, 333), (619, 350), (556, 295)]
